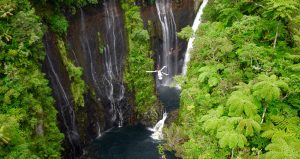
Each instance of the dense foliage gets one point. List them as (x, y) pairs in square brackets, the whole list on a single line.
[(70, 4), (240, 98), (139, 60), (78, 86), (27, 114)]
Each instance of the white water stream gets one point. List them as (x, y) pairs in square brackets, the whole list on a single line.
[(158, 128), (170, 42), (164, 10), (71, 129), (195, 26), (113, 66), (109, 83)]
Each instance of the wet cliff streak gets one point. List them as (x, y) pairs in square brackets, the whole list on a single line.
[(97, 42)]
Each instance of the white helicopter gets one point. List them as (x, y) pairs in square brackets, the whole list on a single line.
[(159, 73)]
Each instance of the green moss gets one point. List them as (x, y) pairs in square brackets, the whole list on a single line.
[(78, 87), (139, 60), (59, 24), (101, 46)]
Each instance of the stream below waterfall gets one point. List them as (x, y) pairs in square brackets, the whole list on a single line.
[(139, 141), (133, 142)]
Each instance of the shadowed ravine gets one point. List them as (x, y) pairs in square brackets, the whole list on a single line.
[(133, 142), (96, 41)]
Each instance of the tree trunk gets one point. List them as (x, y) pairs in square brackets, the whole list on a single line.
[(276, 36), (264, 114)]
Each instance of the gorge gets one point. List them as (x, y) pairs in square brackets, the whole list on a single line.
[(126, 79), (96, 42)]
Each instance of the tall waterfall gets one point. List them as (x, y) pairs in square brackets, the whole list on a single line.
[(85, 44), (195, 26), (107, 78), (112, 77), (168, 56), (64, 101)]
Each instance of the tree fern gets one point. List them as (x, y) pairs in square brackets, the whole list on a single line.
[(241, 103), (269, 88), (210, 75), (284, 146), (231, 139), (228, 15), (248, 127), (212, 121), (281, 9)]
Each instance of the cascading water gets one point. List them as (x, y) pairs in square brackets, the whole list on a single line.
[(158, 128), (195, 26), (107, 78), (167, 57), (138, 141), (64, 103), (85, 44), (112, 78)]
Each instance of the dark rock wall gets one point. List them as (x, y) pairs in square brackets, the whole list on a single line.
[(84, 124), (86, 35), (60, 84), (184, 14)]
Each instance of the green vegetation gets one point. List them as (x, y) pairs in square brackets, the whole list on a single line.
[(101, 46), (59, 24), (71, 4), (78, 87), (139, 60), (240, 98), (185, 33), (161, 152), (27, 114)]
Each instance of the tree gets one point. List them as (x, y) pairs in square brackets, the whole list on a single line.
[(186, 33), (242, 103), (268, 89), (280, 9), (283, 146)]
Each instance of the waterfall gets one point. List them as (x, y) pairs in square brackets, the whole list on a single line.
[(71, 129), (85, 44), (99, 130), (170, 43), (112, 77), (64, 103), (195, 26), (157, 129), (107, 78)]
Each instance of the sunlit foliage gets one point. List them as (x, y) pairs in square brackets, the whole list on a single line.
[(240, 98), (27, 115)]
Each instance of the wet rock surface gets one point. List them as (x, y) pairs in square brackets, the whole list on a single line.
[(88, 35)]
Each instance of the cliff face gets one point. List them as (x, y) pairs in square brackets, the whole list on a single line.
[(184, 13), (96, 41), (60, 84), (98, 45)]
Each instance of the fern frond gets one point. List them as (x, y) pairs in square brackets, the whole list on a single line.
[(269, 88), (268, 134), (231, 139), (284, 145), (248, 127), (241, 104)]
